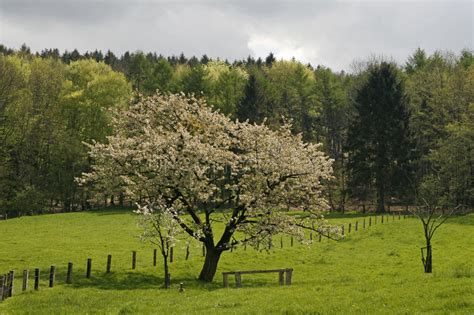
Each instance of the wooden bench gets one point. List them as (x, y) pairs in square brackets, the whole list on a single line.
[(238, 278)]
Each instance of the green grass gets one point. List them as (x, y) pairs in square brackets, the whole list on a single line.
[(376, 271)]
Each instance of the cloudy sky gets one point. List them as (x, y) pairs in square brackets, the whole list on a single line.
[(320, 32)]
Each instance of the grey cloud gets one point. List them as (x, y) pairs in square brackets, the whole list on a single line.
[(30, 11), (323, 32)]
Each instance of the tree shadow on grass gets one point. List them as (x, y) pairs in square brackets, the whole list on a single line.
[(138, 281), (112, 211), (462, 219), (143, 281), (348, 215)]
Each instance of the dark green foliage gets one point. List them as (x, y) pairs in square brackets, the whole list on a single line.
[(138, 70), (270, 60), (331, 129), (160, 77), (249, 107), (379, 141), (194, 81)]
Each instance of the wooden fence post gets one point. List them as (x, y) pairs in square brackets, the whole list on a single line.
[(364, 223), (399, 216), (69, 273), (37, 278), (281, 277), (134, 259), (310, 236), (342, 230), (2, 286), (109, 264), (52, 273), (289, 273), (187, 252), (357, 225), (25, 280), (89, 267), (281, 242), (12, 280), (370, 221), (225, 279), (6, 286), (292, 241), (238, 280), (350, 224), (319, 237), (154, 257)]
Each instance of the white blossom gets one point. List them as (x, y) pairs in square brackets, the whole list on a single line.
[(193, 166)]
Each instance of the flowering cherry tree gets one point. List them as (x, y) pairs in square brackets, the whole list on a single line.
[(174, 153)]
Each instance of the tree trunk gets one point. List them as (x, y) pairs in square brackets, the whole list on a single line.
[(380, 197), (428, 263), (121, 199), (67, 205), (210, 264), (167, 274)]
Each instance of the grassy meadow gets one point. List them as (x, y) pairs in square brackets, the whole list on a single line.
[(377, 270)]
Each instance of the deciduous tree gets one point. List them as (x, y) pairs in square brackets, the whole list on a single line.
[(204, 168)]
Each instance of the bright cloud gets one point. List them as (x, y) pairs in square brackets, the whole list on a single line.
[(261, 45)]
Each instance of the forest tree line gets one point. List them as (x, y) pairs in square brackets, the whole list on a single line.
[(52, 102)]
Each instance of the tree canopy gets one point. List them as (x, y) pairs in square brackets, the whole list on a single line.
[(176, 153)]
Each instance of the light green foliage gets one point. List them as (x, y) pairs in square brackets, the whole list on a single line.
[(48, 109), (226, 86), (91, 89), (289, 92), (372, 271), (180, 72)]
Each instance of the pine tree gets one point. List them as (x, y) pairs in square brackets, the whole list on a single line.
[(416, 62), (248, 107), (379, 142), (270, 60)]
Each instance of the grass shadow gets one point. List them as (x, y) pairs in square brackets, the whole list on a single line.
[(144, 281), (112, 211), (139, 281)]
